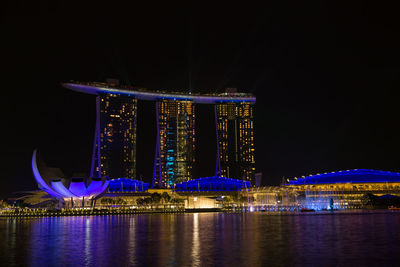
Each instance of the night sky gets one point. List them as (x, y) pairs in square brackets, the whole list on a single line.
[(326, 79)]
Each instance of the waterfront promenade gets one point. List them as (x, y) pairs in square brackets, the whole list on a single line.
[(28, 213)]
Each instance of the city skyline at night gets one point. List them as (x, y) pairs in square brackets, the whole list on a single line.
[(114, 150), (190, 134), (326, 88)]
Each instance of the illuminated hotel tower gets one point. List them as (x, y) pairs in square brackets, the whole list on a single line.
[(235, 137), (116, 137), (175, 142)]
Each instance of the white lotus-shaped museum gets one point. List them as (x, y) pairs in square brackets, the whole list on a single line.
[(77, 187)]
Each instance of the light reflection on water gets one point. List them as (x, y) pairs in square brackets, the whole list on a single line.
[(195, 243), (202, 239), (132, 242), (87, 243)]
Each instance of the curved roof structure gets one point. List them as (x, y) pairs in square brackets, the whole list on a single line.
[(142, 94), (214, 183), (127, 185), (76, 189), (348, 176)]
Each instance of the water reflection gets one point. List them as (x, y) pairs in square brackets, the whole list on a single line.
[(87, 243), (196, 243), (201, 239), (132, 241)]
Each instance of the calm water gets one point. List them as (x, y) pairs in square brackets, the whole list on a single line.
[(202, 239)]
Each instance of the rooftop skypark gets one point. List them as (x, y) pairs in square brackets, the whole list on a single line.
[(143, 94)]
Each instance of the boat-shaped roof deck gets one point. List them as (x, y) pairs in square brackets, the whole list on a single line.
[(144, 94)]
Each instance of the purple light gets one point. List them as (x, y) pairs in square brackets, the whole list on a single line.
[(105, 185), (59, 187), (95, 188), (78, 189), (39, 178)]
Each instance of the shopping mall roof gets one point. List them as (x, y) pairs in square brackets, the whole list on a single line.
[(213, 183), (348, 176), (127, 185)]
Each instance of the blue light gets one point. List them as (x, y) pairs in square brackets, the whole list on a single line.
[(349, 176), (214, 183), (95, 188), (78, 188), (127, 185), (39, 178), (60, 188)]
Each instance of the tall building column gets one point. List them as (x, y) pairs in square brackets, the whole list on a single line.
[(235, 138), (175, 142), (117, 136), (95, 170)]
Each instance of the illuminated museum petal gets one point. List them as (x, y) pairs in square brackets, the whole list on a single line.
[(78, 187), (95, 188), (39, 178), (59, 187)]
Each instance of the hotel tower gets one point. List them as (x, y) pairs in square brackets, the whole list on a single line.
[(115, 136), (175, 142), (235, 140)]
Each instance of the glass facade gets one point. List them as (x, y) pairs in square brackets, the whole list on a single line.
[(176, 142), (235, 137), (117, 136)]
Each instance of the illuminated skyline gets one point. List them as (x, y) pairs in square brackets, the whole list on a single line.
[(326, 87)]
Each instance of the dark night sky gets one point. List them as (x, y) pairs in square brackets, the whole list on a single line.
[(326, 79)]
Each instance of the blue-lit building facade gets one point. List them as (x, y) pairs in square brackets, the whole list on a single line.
[(214, 183), (125, 185), (343, 189)]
